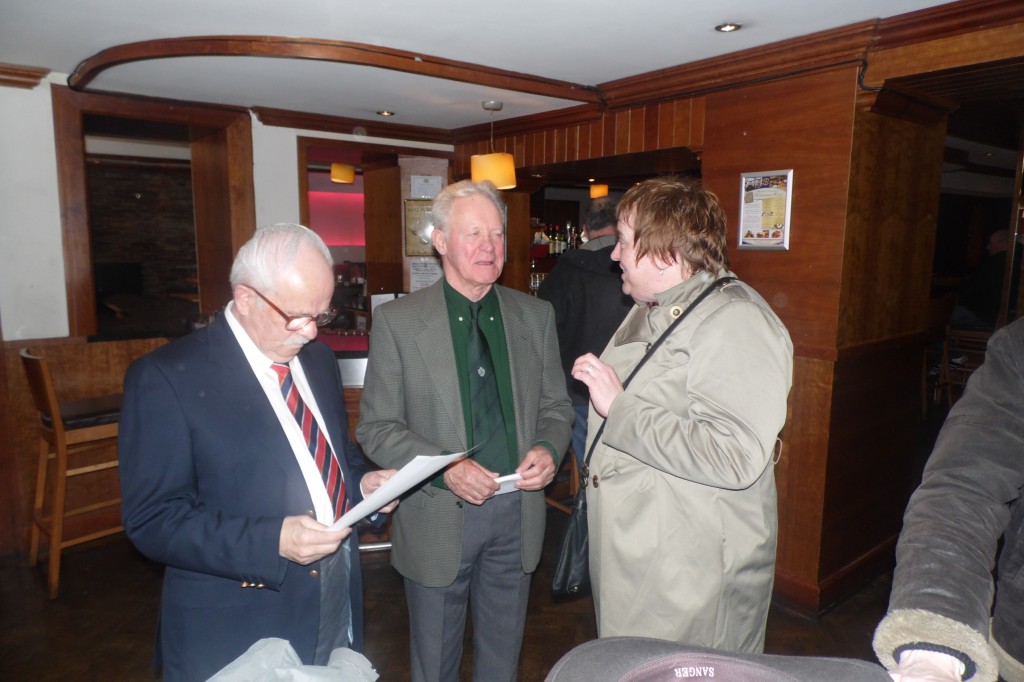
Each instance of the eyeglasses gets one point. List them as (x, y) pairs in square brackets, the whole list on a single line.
[(294, 323)]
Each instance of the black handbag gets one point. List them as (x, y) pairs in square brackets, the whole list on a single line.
[(571, 576)]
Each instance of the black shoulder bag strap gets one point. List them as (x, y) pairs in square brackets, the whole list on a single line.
[(585, 470)]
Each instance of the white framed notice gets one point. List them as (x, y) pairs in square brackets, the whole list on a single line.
[(765, 204), (425, 186), (423, 272)]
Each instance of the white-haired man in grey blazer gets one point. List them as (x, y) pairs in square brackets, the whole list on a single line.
[(431, 390)]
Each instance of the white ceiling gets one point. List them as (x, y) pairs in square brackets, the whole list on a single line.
[(581, 41)]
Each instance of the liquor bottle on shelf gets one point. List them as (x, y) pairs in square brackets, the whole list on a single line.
[(559, 239), (571, 236)]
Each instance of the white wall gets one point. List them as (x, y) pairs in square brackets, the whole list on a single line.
[(33, 300), (275, 153)]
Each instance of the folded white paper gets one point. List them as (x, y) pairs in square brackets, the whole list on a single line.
[(412, 474), (508, 483)]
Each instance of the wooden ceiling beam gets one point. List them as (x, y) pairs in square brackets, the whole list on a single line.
[(328, 51)]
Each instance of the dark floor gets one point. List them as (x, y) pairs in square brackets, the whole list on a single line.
[(103, 623)]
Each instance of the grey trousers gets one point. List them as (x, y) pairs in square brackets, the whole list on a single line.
[(492, 583)]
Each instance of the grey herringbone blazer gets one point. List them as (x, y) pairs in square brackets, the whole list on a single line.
[(411, 406)]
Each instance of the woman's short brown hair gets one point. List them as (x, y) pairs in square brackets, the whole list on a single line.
[(674, 218)]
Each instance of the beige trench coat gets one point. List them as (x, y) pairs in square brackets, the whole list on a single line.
[(682, 516)]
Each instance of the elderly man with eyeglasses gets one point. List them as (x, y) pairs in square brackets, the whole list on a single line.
[(235, 461)]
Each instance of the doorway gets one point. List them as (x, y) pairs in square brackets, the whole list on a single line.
[(220, 145), (142, 229)]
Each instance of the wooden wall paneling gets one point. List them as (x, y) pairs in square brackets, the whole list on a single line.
[(668, 119), (572, 143), (21, 444), (948, 52), (548, 146), (895, 173), (70, 145), (516, 273), (535, 148), (353, 394), (637, 129), (800, 478), (824, 49), (622, 130), (609, 123), (651, 128), (241, 191), (382, 202), (695, 134), (589, 139), (558, 145), (80, 370), (597, 138), (804, 123), (872, 462), (460, 164), (11, 513), (529, 157), (212, 198), (519, 149), (895, 178)]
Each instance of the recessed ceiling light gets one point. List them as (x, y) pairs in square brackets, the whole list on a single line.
[(385, 113), (728, 27)]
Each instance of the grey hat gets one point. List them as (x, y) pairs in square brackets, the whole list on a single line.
[(638, 659)]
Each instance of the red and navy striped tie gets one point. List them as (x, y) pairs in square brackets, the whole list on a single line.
[(319, 448)]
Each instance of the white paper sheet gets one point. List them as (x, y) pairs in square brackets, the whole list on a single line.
[(415, 472), (508, 483)]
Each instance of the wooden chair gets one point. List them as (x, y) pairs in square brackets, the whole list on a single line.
[(967, 348), (66, 432)]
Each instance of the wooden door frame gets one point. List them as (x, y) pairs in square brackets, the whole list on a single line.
[(222, 181)]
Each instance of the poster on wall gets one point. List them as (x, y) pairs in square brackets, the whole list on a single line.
[(765, 205), (419, 225)]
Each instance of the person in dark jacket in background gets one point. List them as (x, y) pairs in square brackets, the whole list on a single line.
[(941, 625), (585, 288), (981, 294)]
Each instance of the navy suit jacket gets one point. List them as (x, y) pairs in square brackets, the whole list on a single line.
[(207, 477)]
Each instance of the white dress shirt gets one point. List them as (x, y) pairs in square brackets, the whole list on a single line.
[(269, 380)]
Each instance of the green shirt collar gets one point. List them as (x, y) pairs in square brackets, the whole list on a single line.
[(458, 305)]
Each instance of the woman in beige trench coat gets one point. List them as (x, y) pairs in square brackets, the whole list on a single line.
[(682, 506)]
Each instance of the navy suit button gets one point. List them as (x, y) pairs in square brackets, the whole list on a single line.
[(314, 573)]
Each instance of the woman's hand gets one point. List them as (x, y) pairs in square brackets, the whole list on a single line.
[(600, 378)]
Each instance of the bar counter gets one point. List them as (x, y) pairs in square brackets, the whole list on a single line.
[(351, 351)]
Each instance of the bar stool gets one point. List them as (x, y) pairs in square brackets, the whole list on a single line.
[(66, 430), (962, 353)]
